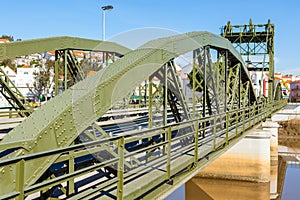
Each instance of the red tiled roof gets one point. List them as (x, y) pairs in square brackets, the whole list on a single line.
[(90, 73)]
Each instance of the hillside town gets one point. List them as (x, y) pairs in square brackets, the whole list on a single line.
[(33, 74), (25, 73)]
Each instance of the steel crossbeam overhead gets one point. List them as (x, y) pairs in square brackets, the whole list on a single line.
[(256, 43), (51, 137), (63, 46), (27, 47)]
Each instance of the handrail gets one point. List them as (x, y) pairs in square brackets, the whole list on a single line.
[(246, 118)]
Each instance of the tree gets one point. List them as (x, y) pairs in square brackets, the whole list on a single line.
[(34, 63), (9, 63), (10, 38), (42, 79)]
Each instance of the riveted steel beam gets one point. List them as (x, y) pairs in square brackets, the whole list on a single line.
[(27, 47), (70, 113)]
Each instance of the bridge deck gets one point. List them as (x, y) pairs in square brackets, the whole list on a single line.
[(149, 176)]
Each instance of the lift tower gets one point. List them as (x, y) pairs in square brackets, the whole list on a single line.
[(256, 45)]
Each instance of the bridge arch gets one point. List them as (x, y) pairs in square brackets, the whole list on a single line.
[(77, 108)]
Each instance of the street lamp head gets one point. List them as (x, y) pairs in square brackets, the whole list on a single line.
[(108, 7)]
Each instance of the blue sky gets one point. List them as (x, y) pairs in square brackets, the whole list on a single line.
[(33, 19)]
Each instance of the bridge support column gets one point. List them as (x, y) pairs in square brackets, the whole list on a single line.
[(272, 127), (247, 170), (248, 160)]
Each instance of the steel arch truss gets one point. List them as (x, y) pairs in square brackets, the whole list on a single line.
[(225, 88), (74, 112)]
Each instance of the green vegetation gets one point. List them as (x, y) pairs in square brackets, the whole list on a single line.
[(10, 38), (290, 128), (9, 63)]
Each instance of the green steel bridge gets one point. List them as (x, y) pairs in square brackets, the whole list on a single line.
[(66, 149)]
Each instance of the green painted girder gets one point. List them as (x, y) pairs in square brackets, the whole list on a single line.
[(277, 90), (14, 97), (77, 74), (27, 47), (58, 122)]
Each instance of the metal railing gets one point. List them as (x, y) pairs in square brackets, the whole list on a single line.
[(162, 148)]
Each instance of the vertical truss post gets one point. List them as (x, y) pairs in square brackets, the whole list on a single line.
[(204, 84), (140, 96), (196, 142), (227, 127), (240, 85), (120, 173), (165, 115), (145, 96), (150, 104), (212, 84), (175, 87), (56, 72), (198, 82), (65, 69), (205, 91), (194, 99), (71, 168), (169, 138), (215, 132), (271, 61), (20, 179), (226, 77), (236, 121)]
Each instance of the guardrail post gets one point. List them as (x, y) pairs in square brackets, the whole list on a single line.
[(249, 116), (10, 113), (261, 112), (227, 127), (215, 132), (71, 188), (253, 115), (169, 134), (196, 138), (243, 119), (236, 122), (121, 146), (20, 178)]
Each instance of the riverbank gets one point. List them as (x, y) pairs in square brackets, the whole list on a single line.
[(289, 128)]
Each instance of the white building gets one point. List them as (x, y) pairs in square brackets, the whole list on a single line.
[(25, 79), (12, 76)]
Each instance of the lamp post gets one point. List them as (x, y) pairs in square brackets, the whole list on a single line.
[(104, 8)]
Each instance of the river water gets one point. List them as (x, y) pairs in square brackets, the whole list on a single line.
[(288, 182), (291, 189)]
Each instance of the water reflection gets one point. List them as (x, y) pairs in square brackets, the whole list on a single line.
[(283, 185), (208, 189), (291, 187), (290, 151), (287, 183), (284, 176)]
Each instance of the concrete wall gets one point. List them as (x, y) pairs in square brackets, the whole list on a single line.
[(248, 170), (248, 160)]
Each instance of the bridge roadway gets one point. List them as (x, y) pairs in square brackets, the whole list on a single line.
[(47, 154), (172, 161)]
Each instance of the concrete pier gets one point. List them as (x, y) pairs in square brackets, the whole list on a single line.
[(248, 170), (272, 127), (248, 160)]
